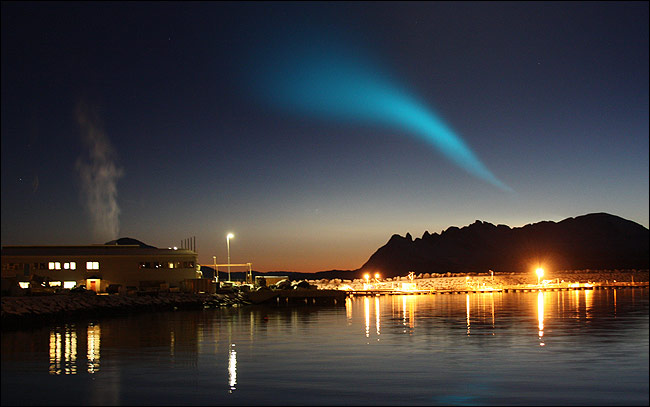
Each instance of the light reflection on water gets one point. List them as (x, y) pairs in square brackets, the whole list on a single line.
[(573, 347)]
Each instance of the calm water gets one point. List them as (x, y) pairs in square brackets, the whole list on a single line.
[(581, 347)]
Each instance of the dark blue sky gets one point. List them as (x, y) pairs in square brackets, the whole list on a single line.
[(150, 120)]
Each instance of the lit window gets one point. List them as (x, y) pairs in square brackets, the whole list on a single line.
[(73, 265), (171, 265), (66, 266), (55, 284), (96, 265), (69, 284), (51, 265), (23, 284), (92, 265), (57, 265)]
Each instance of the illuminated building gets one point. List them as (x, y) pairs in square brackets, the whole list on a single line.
[(98, 266)]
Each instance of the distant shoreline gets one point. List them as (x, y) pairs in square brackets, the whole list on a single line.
[(455, 281)]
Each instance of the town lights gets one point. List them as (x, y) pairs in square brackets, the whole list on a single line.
[(540, 273)]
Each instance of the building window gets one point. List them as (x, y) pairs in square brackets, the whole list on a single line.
[(43, 266), (57, 265), (23, 284), (188, 264), (50, 265), (69, 284), (66, 266), (73, 265), (55, 284), (92, 265)]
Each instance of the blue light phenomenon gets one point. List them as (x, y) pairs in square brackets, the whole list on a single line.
[(326, 83)]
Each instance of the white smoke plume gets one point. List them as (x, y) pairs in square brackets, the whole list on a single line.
[(99, 175)]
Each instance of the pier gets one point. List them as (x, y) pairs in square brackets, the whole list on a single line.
[(298, 297), (580, 287)]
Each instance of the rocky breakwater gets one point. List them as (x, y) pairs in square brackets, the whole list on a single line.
[(497, 280), (21, 310)]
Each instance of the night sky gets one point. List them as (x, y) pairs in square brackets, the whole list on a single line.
[(315, 131)]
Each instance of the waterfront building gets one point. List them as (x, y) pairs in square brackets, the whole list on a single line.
[(122, 263)]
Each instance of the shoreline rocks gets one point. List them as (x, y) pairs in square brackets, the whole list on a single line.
[(21, 310)]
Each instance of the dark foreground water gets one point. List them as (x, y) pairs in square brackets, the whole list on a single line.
[(559, 348)]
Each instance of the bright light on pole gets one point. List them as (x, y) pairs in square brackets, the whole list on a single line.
[(216, 273), (540, 274), (230, 236)]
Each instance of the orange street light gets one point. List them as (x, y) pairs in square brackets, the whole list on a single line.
[(540, 274)]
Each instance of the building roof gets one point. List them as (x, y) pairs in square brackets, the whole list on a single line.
[(91, 250)]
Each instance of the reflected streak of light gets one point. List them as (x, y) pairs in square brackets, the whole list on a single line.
[(492, 301), (615, 302), (172, 344), (232, 369), (366, 303), (348, 307), (589, 299), (467, 307), (55, 353), (540, 316), (70, 352), (63, 351), (377, 323), (94, 345)]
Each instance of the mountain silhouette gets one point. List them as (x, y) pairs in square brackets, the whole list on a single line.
[(593, 241)]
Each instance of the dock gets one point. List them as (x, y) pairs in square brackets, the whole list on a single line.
[(583, 287), (298, 297)]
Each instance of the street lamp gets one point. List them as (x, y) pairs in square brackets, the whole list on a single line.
[(216, 272), (540, 273), (230, 236)]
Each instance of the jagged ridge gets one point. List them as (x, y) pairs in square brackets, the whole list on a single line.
[(593, 241)]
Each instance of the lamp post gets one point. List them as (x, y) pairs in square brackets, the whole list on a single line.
[(216, 272), (540, 273), (230, 236)]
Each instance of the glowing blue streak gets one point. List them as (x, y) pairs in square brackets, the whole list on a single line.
[(347, 88)]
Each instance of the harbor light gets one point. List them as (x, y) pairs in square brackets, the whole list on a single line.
[(367, 277), (540, 274), (377, 276)]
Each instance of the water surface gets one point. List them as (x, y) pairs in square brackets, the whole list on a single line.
[(552, 348)]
